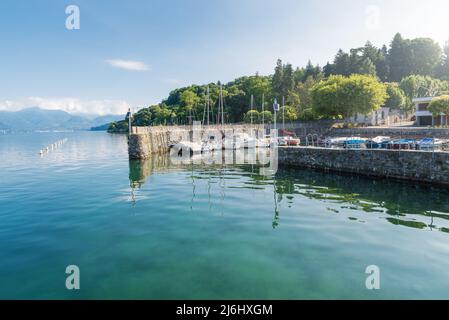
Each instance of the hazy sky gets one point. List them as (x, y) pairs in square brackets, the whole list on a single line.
[(135, 51)]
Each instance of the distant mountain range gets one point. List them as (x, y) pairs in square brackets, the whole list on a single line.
[(36, 119)]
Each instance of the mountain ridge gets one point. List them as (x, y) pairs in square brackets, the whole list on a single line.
[(36, 119)]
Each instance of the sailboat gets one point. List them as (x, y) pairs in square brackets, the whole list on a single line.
[(249, 141), (263, 142), (232, 142), (211, 143)]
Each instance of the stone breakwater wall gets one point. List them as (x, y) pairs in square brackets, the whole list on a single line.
[(421, 166), (143, 142)]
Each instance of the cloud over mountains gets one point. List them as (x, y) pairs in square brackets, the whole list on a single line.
[(70, 105)]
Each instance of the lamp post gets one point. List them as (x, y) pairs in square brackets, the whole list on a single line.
[(275, 108), (128, 116)]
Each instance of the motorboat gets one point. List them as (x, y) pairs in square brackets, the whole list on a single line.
[(380, 142), (431, 144), (402, 144), (342, 141), (355, 143), (186, 147)]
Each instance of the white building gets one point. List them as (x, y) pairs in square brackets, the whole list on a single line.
[(380, 117), (424, 117)]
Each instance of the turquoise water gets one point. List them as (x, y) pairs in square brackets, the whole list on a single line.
[(154, 230)]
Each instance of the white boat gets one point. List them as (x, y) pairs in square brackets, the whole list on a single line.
[(262, 143), (186, 147), (340, 141), (249, 142), (431, 144)]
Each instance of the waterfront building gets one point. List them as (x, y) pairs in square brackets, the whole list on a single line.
[(380, 117), (424, 117)]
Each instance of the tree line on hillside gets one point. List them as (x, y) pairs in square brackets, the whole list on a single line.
[(360, 81)]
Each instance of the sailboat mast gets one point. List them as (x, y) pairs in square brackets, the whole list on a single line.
[(208, 104), (252, 104), (283, 114), (263, 113), (222, 105)]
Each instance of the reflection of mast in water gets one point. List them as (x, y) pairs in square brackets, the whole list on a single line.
[(208, 192), (275, 223), (193, 188), (133, 196), (222, 185)]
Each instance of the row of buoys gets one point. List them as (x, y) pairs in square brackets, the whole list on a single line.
[(53, 146)]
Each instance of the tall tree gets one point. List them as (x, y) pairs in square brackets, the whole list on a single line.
[(287, 80), (444, 69), (328, 70), (278, 79), (427, 56), (312, 71), (382, 66), (399, 58), (342, 63)]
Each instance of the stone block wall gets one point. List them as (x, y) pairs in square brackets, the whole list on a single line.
[(422, 166)]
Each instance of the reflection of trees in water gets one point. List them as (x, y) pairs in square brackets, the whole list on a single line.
[(405, 203), (140, 170)]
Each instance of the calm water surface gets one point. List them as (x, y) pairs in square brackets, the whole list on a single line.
[(159, 230)]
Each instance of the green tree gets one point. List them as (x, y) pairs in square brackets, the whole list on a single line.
[(439, 106), (142, 118), (286, 113), (427, 56), (342, 64), (423, 86), (382, 66), (347, 96), (397, 100), (300, 97), (278, 79), (328, 70), (399, 58), (252, 115), (444, 69), (267, 116), (287, 80), (312, 71)]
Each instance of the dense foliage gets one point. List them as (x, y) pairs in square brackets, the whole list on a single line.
[(344, 97), (352, 83), (440, 106)]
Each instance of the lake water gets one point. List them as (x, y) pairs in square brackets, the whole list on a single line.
[(155, 230)]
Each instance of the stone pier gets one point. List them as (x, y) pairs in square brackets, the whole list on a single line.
[(145, 141)]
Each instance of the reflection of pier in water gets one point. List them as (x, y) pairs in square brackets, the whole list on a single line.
[(399, 203), (216, 167), (140, 170)]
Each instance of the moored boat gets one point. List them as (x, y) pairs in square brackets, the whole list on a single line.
[(430, 144)]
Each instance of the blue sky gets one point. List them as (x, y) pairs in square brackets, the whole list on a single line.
[(178, 43)]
